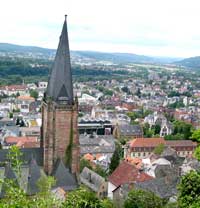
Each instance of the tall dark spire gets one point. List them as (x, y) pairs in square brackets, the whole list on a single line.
[(60, 86)]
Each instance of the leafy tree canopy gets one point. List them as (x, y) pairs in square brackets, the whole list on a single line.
[(196, 135), (197, 153), (83, 198), (142, 199), (34, 94), (115, 159), (159, 149), (189, 190)]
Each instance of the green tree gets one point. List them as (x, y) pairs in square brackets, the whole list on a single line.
[(125, 89), (82, 198), (173, 94), (157, 129), (45, 183), (197, 153), (107, 203), (189, 190), (171, 205), (45, 197), (142, 199), (196, 135), (132, 115), (148, 132), (34, 94), (182, 127), (178, 104), (100, 171), (177, 136), (85, 163), (195, 204), (108, 92), (14, 196), (138, 92), (115, 159), (159, 149), (15, 158), (10, 115)]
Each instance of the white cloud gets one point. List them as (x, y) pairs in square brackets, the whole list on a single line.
[(155, 27)]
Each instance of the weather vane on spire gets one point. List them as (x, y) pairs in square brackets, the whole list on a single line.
[(65, 16)]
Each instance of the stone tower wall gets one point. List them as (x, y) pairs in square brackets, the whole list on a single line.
[(58, 122)]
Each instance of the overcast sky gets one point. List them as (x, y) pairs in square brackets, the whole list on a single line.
[(150, 27)]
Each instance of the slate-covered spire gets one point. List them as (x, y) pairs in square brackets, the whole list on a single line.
[(60, 86)]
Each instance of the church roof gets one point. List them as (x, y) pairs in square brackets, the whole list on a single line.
[(64, 178), (35, 172), (8, 173), (31, 173), (27, 155), (60, 86)]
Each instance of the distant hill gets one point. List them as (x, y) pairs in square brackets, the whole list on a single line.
[(114, 57), (7, 47), (38, 52), (124, 57), (193, 62)]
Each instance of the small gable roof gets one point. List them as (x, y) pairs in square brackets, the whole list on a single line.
[(91, 179), (35, 172), (64, 178), (130, 130), (126, 173), (146, 142)]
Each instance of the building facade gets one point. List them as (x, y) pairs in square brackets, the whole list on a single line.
[(144, 147)]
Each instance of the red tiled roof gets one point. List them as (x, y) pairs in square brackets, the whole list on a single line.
[(88, 157), (181, 143), (134, 161), (29, 144), (126, 173), (23, 142), (15, 140), (147, 142), (98, 156), (25, 97), (14, 87)]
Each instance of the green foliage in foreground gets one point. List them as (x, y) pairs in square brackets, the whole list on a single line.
[(196, 135), (189, 190), (83, 198), (15, 197), (143, 199), (197, 153)]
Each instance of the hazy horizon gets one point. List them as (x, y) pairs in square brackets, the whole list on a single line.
[(151, 28)]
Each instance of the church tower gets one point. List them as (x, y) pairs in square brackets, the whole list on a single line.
[(60, 112)]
